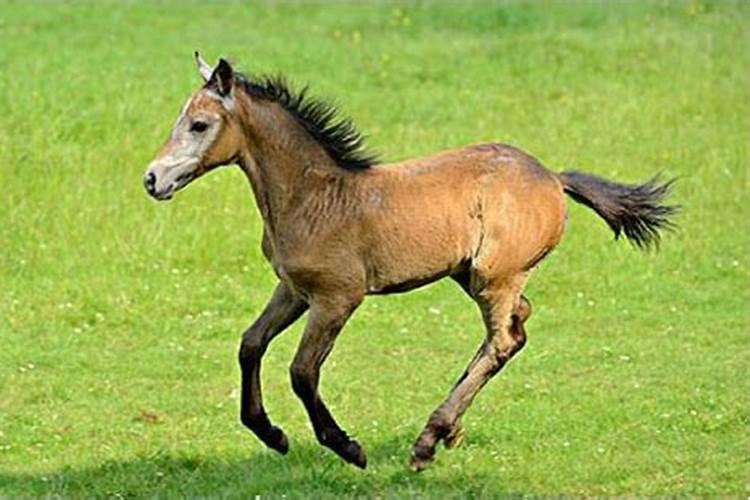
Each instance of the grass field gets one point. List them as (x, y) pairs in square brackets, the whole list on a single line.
[(120, 317)]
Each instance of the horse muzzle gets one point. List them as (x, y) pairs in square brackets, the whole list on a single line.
[(162, 181)]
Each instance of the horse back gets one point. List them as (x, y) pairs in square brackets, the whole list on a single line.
[(484, 205)]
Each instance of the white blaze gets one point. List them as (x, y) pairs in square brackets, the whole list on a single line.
[(178, 167)]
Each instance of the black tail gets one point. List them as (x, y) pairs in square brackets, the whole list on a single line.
[(636, 210)]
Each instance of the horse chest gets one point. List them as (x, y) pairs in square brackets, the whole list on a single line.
[(297, 274), (284, 270)]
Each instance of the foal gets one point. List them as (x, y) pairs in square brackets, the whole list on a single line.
[(337, 226)]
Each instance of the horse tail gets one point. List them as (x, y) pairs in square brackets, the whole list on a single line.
[(638, 210)]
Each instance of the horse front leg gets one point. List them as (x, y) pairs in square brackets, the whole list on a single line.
[(326, 319), (283, 309)]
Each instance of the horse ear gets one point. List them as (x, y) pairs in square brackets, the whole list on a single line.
[(203, 68), (222, 78)]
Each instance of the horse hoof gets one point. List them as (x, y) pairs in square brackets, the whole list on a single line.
[(421, 458), (354, 454), (455, 438), (277, 440)]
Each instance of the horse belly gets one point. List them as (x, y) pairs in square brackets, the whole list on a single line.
[(420, 249)]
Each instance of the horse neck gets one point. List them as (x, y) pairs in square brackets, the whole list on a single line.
[(284, 164)]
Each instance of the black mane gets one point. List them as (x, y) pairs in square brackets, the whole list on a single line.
[(338, 136)]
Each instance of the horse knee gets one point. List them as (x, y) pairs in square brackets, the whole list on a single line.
[(251, 348), (302, 379)]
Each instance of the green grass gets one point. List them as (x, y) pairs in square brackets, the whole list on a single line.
[(120, 317)]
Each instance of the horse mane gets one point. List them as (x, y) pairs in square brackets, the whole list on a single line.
[(338, 136)]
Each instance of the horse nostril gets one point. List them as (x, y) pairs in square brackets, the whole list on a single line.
[(150, 182)]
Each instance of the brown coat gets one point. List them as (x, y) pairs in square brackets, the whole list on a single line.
[(338, 226)]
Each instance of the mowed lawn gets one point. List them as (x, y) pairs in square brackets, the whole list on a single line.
[(120, 317)]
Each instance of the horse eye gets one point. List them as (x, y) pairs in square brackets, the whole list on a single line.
[(198, 127)]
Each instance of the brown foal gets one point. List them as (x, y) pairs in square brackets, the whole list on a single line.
[(337, 226)]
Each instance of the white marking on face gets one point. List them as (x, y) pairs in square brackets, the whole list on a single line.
[(188, 145), (182, 113)]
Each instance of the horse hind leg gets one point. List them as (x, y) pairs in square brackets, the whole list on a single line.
[(520, 314), (504, 311)]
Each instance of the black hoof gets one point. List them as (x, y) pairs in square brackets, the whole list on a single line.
[(353, 453), (421, 458), (276, 439)]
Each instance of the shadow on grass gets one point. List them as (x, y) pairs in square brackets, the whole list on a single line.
[(307, 471)]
